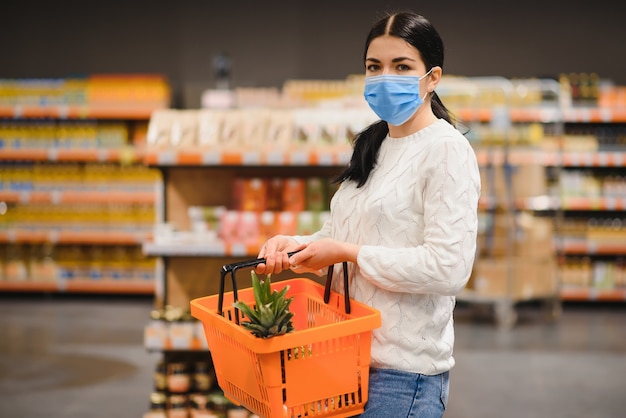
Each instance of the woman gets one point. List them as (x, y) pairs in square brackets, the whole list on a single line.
[(405, 217)]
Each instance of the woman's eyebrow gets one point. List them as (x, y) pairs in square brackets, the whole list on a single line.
[(399, 59), (402, 59)]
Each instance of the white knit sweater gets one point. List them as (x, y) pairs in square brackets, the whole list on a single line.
[(416, 221)]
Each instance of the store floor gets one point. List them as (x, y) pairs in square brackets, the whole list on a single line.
[(82, 356)]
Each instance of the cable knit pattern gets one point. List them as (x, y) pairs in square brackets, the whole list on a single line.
[(416, 222)]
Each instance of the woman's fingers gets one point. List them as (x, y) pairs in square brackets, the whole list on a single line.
[(274, 263)]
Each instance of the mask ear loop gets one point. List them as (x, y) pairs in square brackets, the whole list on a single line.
[(427, 74), (423, 77)]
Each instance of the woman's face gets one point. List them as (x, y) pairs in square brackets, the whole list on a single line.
[(391, 55)]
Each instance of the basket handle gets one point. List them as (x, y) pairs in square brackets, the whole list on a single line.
[(233, 267)]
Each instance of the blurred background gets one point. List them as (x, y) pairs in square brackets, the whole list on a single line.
[(273, 41), (145, 144)]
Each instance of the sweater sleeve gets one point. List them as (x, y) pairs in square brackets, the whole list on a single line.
[(443, 263)]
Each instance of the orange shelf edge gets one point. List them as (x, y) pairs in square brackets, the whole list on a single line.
[(77, 197), (27, 286), (80, 286), (53, 154), (88, 237), (109, 286), (599, 295), (592, 248), (110, 111)]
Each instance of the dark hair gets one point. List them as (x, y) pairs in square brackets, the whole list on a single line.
[(420, 33)]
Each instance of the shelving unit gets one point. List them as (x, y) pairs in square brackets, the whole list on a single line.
[(191, 262), (76, 201), (508, 121), (218, 177), (592, 186)]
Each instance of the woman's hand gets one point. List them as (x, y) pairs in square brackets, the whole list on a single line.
[(320, 254), (275, 252)]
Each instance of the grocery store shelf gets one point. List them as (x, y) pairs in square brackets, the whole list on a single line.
[(590, 159), (59, 197), (595, 114), (71, 237), (104, 286), (548, 114), (551, 158), (530, 114), (251, 158), (123, 111), (583, 247), (72, 155), (80, 286), (208, 249), (24, 286), (590, 294), (595, 203)]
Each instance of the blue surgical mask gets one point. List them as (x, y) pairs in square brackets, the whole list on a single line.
[(394, 98)]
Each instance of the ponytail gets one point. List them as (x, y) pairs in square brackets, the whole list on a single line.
[(439, 109), (365, 154)]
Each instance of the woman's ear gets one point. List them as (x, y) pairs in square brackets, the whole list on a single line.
[(433, 80)]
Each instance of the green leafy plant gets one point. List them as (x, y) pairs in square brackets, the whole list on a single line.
[(270, 316)]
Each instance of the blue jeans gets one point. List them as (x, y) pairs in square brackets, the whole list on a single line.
[(398, 394)]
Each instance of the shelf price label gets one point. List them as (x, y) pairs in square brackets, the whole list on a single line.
[(251, 158), (343, 158), (166, 158), (606, 115), (18, 111), (325, 159), (238, 250), (53, 236), (53, 154), (610, 203), (102, 155), (299, 158), (211, 158), (24, 196), (275, 158), (575, 159), (62, 283), (64, 111), (56, 197)]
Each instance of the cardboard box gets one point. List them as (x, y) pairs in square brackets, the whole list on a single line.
[(519, 278), (521, 234), (513, 182)]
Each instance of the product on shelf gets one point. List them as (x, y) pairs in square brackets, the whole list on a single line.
[(173, 328), (582, 88), (99, 91), (254, 130), (62, 264)]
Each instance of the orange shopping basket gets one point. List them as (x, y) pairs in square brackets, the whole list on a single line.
[(321, 369)]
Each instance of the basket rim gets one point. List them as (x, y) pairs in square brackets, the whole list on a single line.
[(363, 318)]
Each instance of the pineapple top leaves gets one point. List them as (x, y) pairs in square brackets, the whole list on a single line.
[(270, 316)]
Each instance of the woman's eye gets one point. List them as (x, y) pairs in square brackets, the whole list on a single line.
[(373, 67), (403, 67)]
